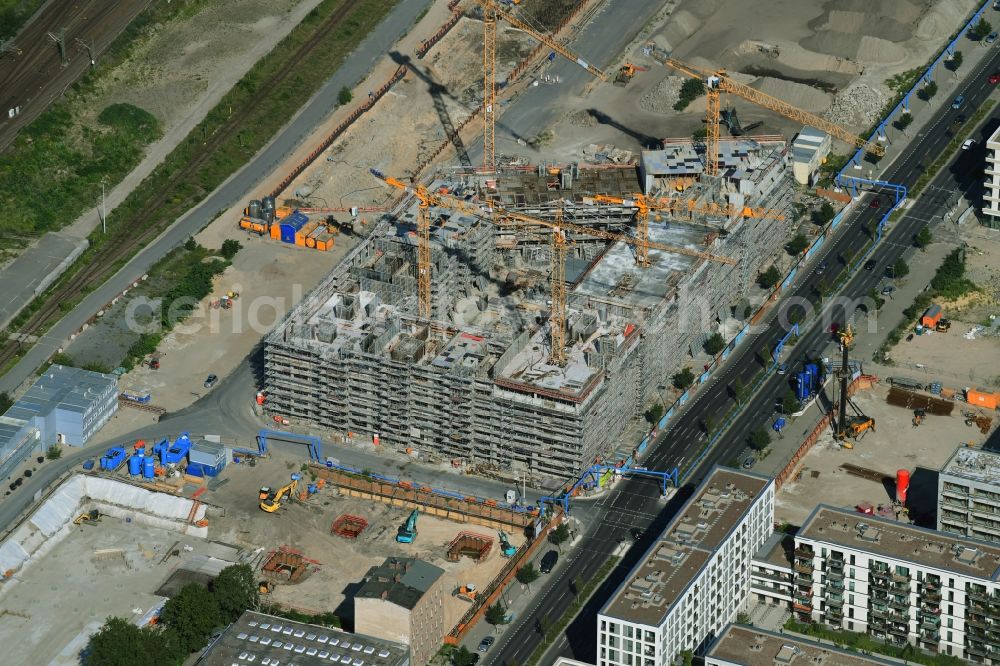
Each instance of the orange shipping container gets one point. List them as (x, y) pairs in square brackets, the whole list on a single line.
[(931, 316), (982, 399), (302, 234)]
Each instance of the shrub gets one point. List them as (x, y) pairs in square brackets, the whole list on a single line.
[(691, 90), (715, 344), (797, 245), (769, 279), (683, 379), (344, 96)]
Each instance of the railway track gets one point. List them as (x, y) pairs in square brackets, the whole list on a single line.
[(101, 264)]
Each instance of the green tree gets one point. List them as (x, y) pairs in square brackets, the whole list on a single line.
[(700, 134), (742, 618), (770, 278), (928, 91), (344, 96), (54, 452), (900, 269), (191, 244), (739, 390), (789, 403), (955, 61), (714, 344), (654, 413), (797, 245), (825, 213), (559, 535), (923, 238), (709, 424), (545, 626), (120, 643), (981, 30), (6, 402), (527, 574), (235, 590), (687, 657), (683, 379), (691, 90), (759, 439), (230, 247), (496, 614), (191, 614), (462, 657), (903, 121)]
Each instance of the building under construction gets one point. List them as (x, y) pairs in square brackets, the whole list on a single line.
[(478, 382)]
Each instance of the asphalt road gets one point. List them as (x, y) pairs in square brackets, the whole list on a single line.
[(635, 504), (237, 188)]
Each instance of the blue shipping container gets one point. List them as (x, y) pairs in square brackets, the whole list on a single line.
[(802, 385), (292, 224), (813, 369), (195, 469)]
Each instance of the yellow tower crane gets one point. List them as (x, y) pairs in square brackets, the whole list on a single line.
[(491, 13), (500, 216), (644, 205), (716, 82)]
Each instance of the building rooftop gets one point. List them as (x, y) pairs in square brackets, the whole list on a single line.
[(680, 157), (974, 465), (674, 561), (880, 536), (399, 580), (776, 551), (276, 641), (749, 646)]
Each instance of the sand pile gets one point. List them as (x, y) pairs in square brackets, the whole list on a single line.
[(662, 97), (942, 18), (857, 107), (880, 51), (682, 24), (796, 94)]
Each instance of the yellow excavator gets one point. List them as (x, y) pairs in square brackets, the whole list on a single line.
[(273, 502)]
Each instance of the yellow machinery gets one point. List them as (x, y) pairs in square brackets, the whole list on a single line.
[(92, 517), (273, 503), (491, 12), (855, 426), (502, 217), (467, 592), (716, 82), (625, 74), (644, 205)]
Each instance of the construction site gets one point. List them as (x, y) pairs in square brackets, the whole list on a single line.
[(488, 378)]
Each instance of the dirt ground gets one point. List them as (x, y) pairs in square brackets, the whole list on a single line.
[(306, 527), (49, 610), (379, 139), (894, 445), (829, 57)]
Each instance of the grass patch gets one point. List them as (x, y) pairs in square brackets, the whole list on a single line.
[(327, 619), (856, 642), (14, 14), (559, 626), (960, 136), (173, 188)]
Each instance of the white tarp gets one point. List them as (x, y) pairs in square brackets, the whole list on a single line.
[(53, 519)]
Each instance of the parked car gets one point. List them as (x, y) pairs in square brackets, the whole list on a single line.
[(486, 643), (969, 143), (211, 381), (549, 561), (870, 265), (992, 37), (749, 462), (887, 289), (994, 78), (959, 101)]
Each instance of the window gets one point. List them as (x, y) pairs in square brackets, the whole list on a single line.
[(612, 655), (852, 560), (850, 586), (950, 621), (850, 626), (850, 612), (628, 631), (649, 637)]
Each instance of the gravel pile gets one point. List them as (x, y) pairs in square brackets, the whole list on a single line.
[(857, 106), (662, 97)]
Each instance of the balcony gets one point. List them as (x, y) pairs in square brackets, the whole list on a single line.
[(976, 648), (930, 621), (837, 585), (879, 573), (931, 595), (803, 567), (899, 629), (805, 551), (930, 635), (834, 564)]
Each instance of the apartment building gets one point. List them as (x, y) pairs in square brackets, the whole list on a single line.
[(771, 575), (694, 579), (991, 187), (402, 600), (899, 583), (738, 645), (969, 494)]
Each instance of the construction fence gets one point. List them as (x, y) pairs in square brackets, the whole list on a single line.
[(373, 97), (427, 44)]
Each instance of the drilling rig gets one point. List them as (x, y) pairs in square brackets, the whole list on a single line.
[(855, 426)]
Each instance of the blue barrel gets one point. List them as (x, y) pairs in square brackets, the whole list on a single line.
[(135, 465), (148, 468)]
